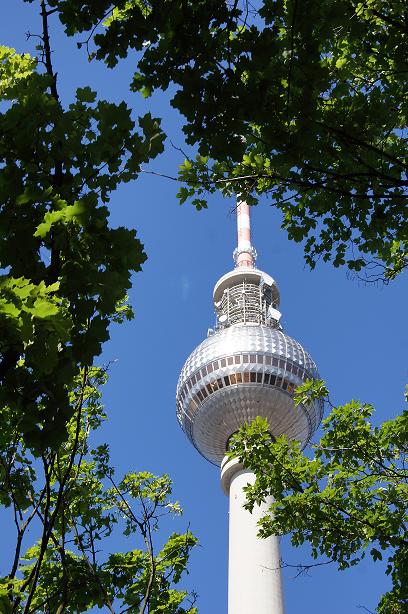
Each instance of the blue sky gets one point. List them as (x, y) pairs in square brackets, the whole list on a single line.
[(356, 333)]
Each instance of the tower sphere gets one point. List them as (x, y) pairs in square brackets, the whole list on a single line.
[(246, 367)]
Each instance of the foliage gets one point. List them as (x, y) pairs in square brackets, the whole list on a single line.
[(347, 499), (72, 495), (63, 280), (304, 101), (63, 268)]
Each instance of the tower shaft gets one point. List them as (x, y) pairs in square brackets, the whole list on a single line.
[(254, 575)]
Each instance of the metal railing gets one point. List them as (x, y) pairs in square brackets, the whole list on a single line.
[(244, 303)]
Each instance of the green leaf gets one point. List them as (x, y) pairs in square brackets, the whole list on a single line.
[(65, 214)]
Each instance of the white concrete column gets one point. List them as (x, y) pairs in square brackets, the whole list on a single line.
[(254, 575)]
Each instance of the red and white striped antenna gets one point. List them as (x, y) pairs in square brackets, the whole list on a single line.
[(244, 253)]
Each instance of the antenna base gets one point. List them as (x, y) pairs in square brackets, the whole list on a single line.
[(250, 250)]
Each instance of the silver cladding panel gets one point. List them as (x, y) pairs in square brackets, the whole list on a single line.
[(276, 357)]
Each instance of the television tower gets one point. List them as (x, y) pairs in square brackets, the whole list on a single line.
[(246, 367)]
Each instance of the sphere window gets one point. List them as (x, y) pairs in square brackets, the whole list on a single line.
[(191, 398), (228, 380)]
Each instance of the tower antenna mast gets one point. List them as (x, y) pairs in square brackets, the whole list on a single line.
[(245, 253)]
